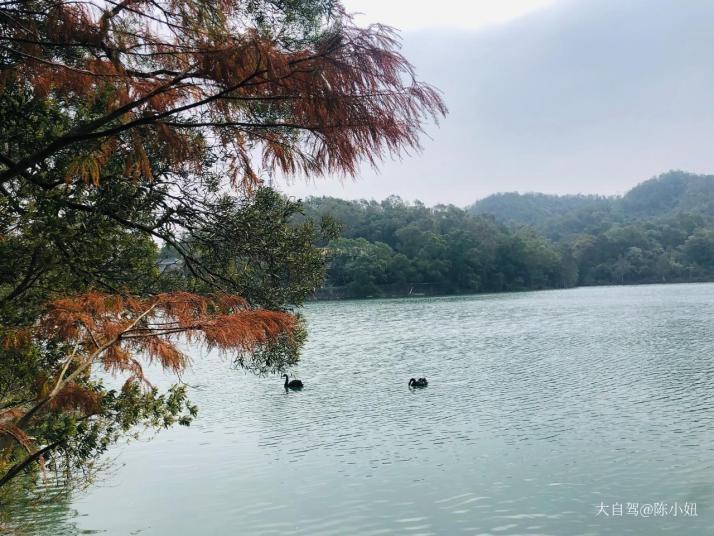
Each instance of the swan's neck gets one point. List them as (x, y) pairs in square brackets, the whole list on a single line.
[(286, 380)]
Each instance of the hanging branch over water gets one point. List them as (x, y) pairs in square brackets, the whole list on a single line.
[(116, 333), (129, 121)]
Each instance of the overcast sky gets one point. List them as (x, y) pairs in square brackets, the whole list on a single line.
[(558, 96), (409, 15)]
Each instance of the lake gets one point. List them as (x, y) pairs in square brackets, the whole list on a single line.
[(544, 412)]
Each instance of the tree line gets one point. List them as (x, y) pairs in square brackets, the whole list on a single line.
[(661, 231)]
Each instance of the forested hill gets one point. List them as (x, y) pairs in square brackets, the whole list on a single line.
[(670, 194), (536, 209), (660, 231), (666, 196)]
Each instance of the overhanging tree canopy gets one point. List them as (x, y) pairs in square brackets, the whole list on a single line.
[(197, 76), (126, 122)]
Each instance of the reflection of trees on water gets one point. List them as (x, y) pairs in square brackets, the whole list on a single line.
[(45, 511)]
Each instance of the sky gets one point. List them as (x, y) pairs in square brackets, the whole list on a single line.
[(556, 96), (409, 15)]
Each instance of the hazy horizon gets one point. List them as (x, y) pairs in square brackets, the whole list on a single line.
[(577, 97), (521, 192)]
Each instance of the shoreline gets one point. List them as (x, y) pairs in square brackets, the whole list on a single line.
[(395, 296)]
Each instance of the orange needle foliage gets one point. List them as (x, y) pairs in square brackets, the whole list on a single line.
[(116, 331), (190, 73), (112, 330)]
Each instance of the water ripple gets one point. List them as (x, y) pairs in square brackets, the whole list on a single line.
[(540, 406)]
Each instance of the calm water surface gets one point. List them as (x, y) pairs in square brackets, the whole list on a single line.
[(541, 408)]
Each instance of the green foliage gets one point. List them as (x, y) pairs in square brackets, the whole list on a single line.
[(537, 210), (77, 237), (277, 355), (699, 249), (395, 248), (660, 231), (259, 248), (668, 196), (293, 21)]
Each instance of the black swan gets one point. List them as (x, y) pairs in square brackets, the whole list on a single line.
[(421, 382), (294, 384)]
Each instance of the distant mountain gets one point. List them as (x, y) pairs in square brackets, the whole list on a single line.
[(536, 209), (668, 195)]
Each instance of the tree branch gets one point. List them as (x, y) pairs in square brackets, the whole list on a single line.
[(21, 466)]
